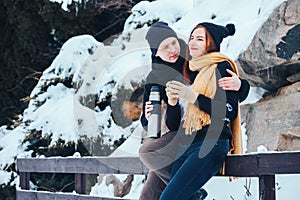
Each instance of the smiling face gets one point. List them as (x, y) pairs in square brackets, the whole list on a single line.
[(169, 50), (197, 43)]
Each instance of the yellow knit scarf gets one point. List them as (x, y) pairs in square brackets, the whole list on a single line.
[(206, 84)]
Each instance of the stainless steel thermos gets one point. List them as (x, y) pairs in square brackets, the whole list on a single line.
[(154, 122)]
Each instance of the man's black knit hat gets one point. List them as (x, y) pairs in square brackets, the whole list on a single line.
[(157, 33), (218, 32)]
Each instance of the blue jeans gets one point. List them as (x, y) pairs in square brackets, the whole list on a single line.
[(190, 172)]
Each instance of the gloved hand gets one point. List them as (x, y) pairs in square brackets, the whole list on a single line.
[(179, 90), (172, 97)]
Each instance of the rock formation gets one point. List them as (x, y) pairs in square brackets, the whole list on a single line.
[(272, 59), (275, 121)]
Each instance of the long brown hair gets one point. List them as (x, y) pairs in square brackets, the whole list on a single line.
[(210, 47), (186, 65)]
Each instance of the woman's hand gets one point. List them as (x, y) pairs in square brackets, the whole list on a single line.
[(172, 97), (148, 109), (230, 83), (178, 89)]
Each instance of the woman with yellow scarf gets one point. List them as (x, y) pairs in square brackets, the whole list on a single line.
[(211, 120)]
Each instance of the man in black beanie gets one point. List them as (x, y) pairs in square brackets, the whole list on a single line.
[(158, 32)]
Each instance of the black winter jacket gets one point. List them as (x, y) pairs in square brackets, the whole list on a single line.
[(162, 72)]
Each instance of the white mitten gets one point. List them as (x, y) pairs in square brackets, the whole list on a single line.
[(172, 97), (179, 90)]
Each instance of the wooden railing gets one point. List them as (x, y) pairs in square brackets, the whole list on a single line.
[(262, 165)]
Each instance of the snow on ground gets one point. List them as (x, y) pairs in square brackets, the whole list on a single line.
[(61, 108)]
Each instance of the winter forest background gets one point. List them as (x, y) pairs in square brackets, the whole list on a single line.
[(72, 75)]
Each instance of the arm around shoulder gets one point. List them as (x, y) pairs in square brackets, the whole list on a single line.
[(244, 90)]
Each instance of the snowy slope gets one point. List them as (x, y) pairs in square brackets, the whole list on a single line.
[(79, 60)]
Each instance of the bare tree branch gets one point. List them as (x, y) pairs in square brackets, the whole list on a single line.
[(29, 76), (111, 4)]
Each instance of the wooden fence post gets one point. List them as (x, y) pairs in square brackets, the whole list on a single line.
[(267, 187), (80, 183), (24, 180)]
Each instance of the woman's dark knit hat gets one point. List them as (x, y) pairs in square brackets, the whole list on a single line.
[(218, 32), (157, 33)]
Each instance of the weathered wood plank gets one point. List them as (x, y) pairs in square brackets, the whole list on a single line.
[(241, 165), (84, 165), (278, 163), (236, 165), (262, 165), (38, 195)]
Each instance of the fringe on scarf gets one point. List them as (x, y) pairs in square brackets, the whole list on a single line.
[(195, 119)]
